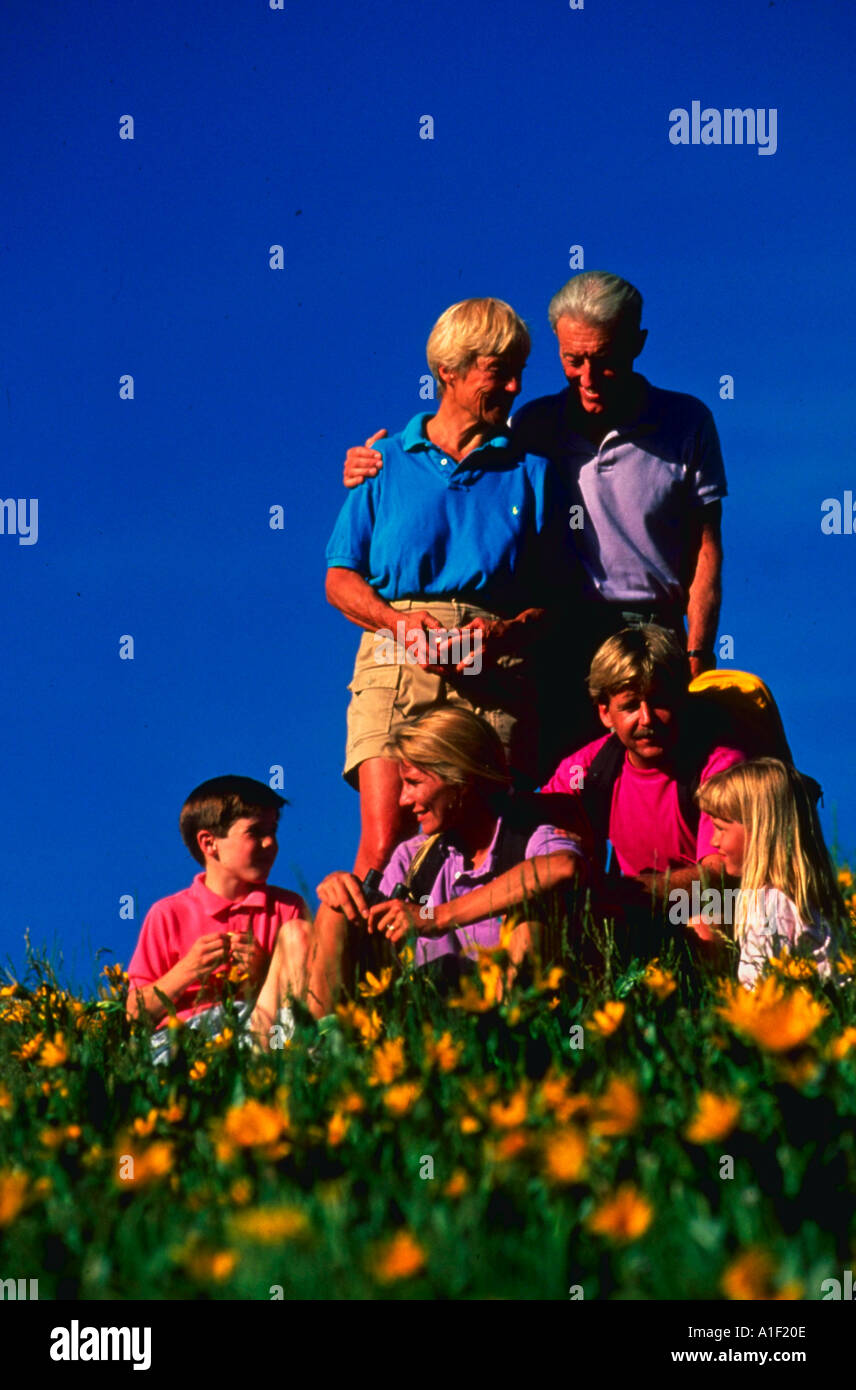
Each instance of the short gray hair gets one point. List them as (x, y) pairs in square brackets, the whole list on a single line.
[(597, 297)]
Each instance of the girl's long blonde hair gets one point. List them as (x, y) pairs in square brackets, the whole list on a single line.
[(784, 846)]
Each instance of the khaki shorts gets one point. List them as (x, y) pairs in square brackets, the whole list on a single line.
[(384, 695)]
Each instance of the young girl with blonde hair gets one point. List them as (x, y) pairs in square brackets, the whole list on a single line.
[(768, 835)]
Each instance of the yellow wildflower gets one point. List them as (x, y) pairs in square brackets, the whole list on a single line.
[(838, 1048), (555, 1096), (368, 1025), (441, 1052), (845, 878), (241, 1191), (337, 1127), (13, 1192), (457, 1184), (794, 967), (198, 1070), (401, 1098), (617, 1110), (510, 1115), (6, 1102), (30, 1048), (270, 1225), (750, 1276), (352, 1103), (154, 1162), (398, 1258), (661, 982), (845, 964), (607, 1019), (387, 1062), (144, 1127), (6, 991), (564, 1155), (173, 1113), (469, 1124), (508, 1146), (210, 1266), (252, 1124), (715, 1118), (777, 1021), (549, 982), (474, 1000), (624, 1217), (798, 1071), (221, 1041), (485, 1087), (374, 986)]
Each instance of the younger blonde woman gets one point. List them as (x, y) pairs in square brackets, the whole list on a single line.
[(768, 835)]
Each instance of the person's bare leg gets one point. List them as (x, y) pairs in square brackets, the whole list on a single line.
[(384, 822), (286, 978), (326, 952)]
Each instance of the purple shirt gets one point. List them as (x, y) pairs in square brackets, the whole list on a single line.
[(454, 880), (639, 489)]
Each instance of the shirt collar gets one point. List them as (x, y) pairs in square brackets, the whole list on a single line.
[(415, 436), (215, 906), (486, 866)]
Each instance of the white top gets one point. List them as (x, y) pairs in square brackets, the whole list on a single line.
[(773, 925)]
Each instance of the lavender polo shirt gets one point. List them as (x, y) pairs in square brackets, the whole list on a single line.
[(638, 490), (454, 880)]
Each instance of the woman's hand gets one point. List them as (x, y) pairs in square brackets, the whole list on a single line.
[(344, 893), (395, 919)]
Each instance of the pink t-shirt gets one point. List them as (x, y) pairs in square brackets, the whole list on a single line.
[(173, 924), (646, 827)]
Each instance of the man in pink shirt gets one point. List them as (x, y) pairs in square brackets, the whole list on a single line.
[(636, 783), (229, 922)]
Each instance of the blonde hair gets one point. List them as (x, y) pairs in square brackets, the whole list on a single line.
[(475, 328), (456, 746), (638, 657), (784, 846)]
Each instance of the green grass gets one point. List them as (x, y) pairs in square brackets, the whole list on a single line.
[(296, 1169)]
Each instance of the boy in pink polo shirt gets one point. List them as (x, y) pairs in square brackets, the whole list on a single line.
[(229, 919)]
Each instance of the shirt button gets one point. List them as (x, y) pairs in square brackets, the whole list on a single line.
[(515, 511), (443, 463), (457, 876)]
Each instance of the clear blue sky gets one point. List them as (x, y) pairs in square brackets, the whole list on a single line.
[(300, 127)]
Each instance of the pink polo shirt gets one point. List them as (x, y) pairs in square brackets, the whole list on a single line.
[(646, 827), (173, 924)]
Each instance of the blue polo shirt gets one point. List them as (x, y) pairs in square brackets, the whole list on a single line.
[(640, 489), (486, 529)]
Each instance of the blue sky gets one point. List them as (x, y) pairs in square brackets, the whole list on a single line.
[(300, 127)]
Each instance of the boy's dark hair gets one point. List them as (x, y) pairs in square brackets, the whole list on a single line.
[(215, 805)]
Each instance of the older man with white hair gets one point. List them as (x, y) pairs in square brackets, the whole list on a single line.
[(642, 470)]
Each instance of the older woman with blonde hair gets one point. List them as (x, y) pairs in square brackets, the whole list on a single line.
[(479, 856), (443, 560)]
